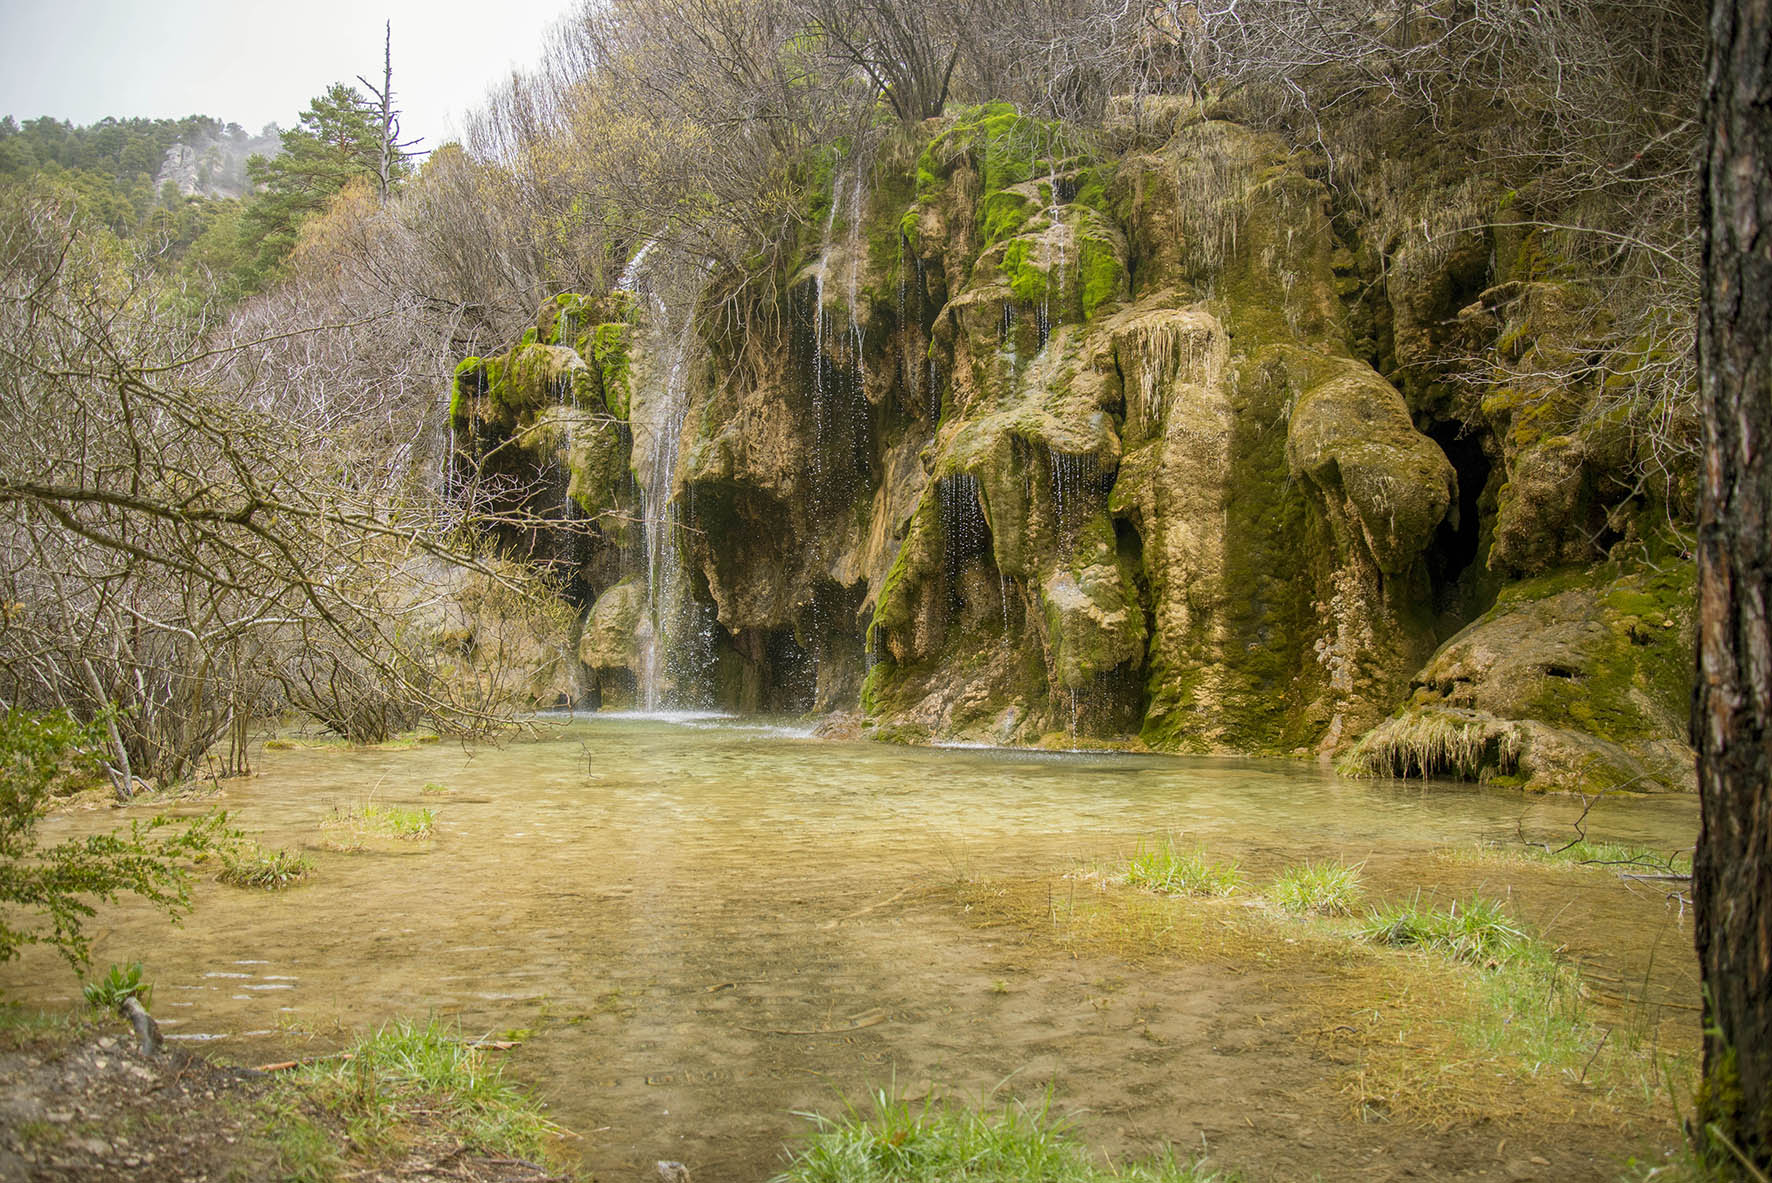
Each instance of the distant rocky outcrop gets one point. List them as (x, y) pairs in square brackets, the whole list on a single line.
[(216, 166)]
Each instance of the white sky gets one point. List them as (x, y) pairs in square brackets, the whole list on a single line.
[(251, 62)]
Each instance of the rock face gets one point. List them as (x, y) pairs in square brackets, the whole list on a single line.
[(1581, 680), (1033, 443)]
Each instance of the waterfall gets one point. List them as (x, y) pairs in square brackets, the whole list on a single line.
[(631, 274), (1057, 234), (821, 396), (837, 377), (568, 412), (666, 608), (856, 248), (675, 643)]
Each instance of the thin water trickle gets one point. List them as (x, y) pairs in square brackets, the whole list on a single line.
[(699, 925), (667, 625)]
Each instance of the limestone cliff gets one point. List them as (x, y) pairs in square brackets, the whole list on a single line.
[(1146, 438)]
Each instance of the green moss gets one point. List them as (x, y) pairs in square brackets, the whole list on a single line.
[(609, 344), (1640, 651), (563, 318), (916, 560), (1100, 272), (531, 378), (1241, 683), (466, 385), (597, 464), (1092, 187), (819, 185), (1003, 215), (1027, 279)]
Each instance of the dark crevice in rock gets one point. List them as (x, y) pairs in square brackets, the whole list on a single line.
[(1457, 555)]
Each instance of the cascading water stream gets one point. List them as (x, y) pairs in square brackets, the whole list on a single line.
[(665, 590), (820, 395), (668, 629)]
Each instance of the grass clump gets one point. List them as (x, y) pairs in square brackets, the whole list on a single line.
[(248, 864), (366, 819), (936, 1142), (1477, 931), (406, 1086), (435, 789), (1176, 872), (1322, 889)]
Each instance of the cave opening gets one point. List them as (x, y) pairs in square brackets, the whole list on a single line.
[(763, 671), (1455, 557)]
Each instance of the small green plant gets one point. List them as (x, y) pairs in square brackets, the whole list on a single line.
[(122, 982), (1477, 930), (248, 864), (1326, 889), (897, 1143), (1164, 868), (367, 819), (435, 789)]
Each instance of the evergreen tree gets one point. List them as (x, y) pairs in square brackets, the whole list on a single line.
[(336, 141)]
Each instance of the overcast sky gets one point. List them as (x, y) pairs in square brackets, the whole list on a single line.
[(252, 63)]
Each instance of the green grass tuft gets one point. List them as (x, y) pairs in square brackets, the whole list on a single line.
[(1477, 931), (403, 1071), (248, 864), (936, 1143), (1619, 856), (1325, 889), (1164, 868), (367, 819)]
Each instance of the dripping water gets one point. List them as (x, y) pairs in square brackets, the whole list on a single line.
[(963, 530), (1076, 488)]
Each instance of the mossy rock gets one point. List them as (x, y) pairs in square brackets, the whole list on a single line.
[(611, 628), (1591, 667), (536, 376), (609, 345), (1094, 616), (1352, 440), (597, 460)]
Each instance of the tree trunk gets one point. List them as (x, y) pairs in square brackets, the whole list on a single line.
[(1732, 705)]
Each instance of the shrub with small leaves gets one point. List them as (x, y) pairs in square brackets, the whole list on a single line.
[(47, 893)]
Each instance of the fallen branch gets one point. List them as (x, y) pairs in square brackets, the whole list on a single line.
[(285, 1065)]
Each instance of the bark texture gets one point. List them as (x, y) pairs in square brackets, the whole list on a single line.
[(1732, 709)]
